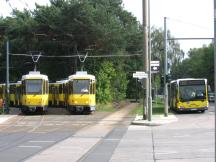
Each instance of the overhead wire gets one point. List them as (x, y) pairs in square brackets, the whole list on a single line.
[(8, 2), (70, 56), (188, 23), (25, 3)]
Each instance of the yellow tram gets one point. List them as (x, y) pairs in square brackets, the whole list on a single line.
[(35, 92), (2, 94), (12, 87), (18, 94), (58, 93), (81, 92)]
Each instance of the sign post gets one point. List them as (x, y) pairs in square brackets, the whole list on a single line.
[(141, 75)]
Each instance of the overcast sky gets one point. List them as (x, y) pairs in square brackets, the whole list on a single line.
[(186, 18)]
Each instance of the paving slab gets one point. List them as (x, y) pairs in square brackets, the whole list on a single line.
[(156, 120)]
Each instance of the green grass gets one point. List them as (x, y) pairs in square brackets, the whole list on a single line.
[(157, 108), (111, 107), (105, 107)]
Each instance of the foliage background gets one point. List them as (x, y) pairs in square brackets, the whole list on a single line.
[(68, 28)]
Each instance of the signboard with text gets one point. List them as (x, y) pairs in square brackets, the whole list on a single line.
[(140, 74), (155, 66)]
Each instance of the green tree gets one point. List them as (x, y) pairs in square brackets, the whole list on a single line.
[(104, 78), (174, 53), (199, 64), (75, 27)]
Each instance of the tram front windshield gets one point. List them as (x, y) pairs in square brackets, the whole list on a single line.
[(81, 86), (33, 86)]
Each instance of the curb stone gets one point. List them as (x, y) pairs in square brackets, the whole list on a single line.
[(157, 120)]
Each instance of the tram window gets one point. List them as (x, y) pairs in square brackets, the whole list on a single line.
[(70, 87), (81, 86), (91, 87), (23, 87), (44, 87), (33, 86), (47, 89), (60, 88)]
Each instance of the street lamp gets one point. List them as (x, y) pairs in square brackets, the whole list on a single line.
[(7, 78), (149, 66), (165, 71), (147, 107), (145, 58)]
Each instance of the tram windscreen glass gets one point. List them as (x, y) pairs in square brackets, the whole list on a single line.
[(33, 86), (81, 86)]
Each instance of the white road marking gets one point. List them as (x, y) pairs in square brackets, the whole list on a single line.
[(112, 139), (182, 136), (37, 126), (42, 141), (23, 146), (205, 150), (168, 152), (37, 132)]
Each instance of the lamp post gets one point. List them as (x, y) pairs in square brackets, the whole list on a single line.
[(145, 58), (215, 56), (7, 79), (165, 70), (149, 66)]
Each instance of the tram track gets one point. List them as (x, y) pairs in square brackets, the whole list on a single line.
[(22, 129), (48, 130)]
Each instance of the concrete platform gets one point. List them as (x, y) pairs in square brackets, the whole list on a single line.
[(156, 120), (4, 118)]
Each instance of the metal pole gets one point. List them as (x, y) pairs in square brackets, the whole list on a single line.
[(7, 80), (156, 96), (215, 57), (149, 67), (215, 53), (136, 90), (165, 70), (145, 57)]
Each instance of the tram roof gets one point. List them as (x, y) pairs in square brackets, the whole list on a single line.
[(34, 75), (62, 81), (81, 75)]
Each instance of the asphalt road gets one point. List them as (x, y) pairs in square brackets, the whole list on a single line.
[(26, 135), (102, 137), (189, 139)]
